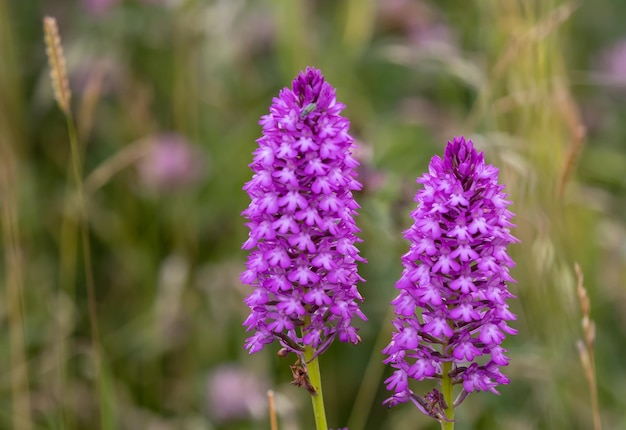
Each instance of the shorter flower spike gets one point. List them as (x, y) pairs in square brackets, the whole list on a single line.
[(452, 307), (303, 260)]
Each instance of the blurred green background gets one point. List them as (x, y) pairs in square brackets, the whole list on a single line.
[(166, 95)]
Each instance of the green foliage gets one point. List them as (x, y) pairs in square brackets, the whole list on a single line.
[(519, 77)]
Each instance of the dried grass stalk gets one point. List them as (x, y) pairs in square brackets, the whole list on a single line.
[(58, 71), (585, 349)]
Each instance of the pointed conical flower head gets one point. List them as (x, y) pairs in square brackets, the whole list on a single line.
[(303, 258), (452, 301)]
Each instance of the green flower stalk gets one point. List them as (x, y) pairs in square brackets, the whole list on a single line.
[(303, 258), (451, 312)]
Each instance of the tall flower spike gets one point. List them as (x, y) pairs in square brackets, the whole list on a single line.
[(451, 312), (303, 259)]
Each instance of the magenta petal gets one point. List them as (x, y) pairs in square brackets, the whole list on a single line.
[(452, 301), (303, 259)]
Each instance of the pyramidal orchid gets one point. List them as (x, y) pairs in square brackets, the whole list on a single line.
[(451, 312), (303, 260)]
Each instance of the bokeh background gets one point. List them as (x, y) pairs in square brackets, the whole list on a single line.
[(166, 95)]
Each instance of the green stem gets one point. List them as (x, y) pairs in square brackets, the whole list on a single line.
[(77, 168), (446, 387), (315, 377)]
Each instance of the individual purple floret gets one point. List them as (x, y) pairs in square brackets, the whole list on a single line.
[(303, 259), (452, 302)]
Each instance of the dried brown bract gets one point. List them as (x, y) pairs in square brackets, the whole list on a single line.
[(301, 377)]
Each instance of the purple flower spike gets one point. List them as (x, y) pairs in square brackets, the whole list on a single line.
[(452, 302), (303, 262)]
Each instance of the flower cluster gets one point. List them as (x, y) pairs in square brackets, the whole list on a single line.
[(303, 259), (452, 302)]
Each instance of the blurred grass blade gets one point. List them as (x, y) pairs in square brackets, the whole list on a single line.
[(360, 16), (585, 348), (60, 84), (11, 145), (14, 294), (295, 35)]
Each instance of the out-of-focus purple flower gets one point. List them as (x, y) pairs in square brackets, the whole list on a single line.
[(234, 393), (303, 259), (99, 7), (416, 21), (171, 163), (98, 76), (371, 178), (452, 303), (613, 63)]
